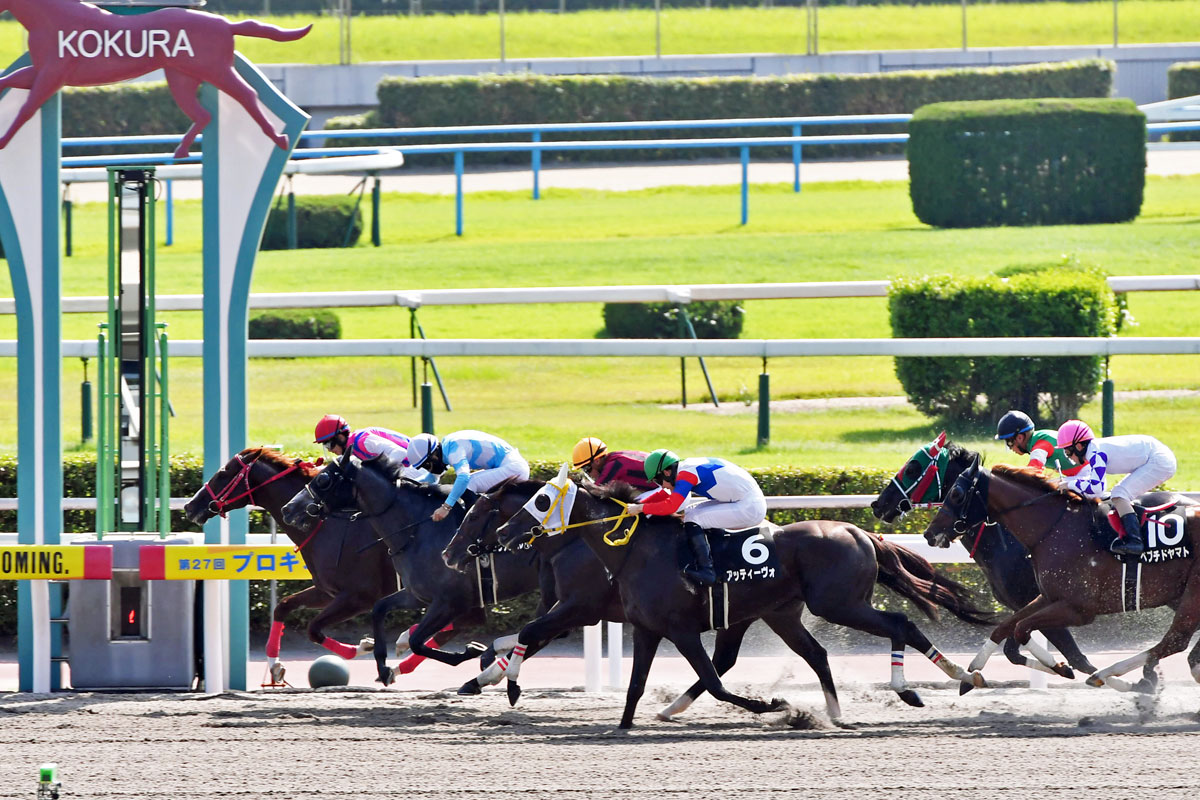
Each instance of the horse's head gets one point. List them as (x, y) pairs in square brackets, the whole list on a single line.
[(233, 485), (478, 532), (921, 480), (331, 489), (964, 507)]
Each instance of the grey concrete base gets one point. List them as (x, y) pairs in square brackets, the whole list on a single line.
[(104, 653)]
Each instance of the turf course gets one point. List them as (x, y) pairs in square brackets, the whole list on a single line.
[(780, 29), (686, 235)]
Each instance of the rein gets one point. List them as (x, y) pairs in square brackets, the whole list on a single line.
[(542, 530)]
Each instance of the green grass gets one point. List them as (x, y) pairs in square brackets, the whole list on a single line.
[(727, 30), (677, 235)]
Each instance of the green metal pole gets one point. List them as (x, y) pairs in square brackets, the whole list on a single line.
[(85, 405), (152, 394), (427, 407), (164, 466), (67, 225), (292, 239), (1106, 408), (764, 407), (101, 438), (376, 237)]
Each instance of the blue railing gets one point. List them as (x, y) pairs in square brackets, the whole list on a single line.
[(536, 147)]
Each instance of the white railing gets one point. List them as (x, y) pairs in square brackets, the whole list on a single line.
[(665, 293), (728, 348)]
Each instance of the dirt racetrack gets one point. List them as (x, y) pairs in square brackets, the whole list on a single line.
[(1064, 742)]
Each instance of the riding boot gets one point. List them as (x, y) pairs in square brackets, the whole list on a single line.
[(1131, 544), (701, 572)]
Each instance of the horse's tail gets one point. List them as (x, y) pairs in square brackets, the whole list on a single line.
[(263, 30), (910, 575)]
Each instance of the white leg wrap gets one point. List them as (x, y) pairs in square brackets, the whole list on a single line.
[(1121, 667), (1034, 664), (983, 655), (946, 665), (1040, 653), (898, 683), (833, 707), (365, 646), (505, 643), (1118, 684), (680, 705), (514, 662), (492, 675), (402, 644)]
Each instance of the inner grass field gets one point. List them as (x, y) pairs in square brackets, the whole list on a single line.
[(780, 29), (846, 231)]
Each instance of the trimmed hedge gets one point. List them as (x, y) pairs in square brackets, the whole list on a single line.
[(122, 110), (1183, 80), (711, 319), (1070, 303), (295, 323), (524, 98), (321, 221), (1044, 161)]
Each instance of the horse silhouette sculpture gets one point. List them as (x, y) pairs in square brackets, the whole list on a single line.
[(72, 43)]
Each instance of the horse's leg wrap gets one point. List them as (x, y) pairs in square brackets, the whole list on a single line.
[(898, 683), (402, 642), (274, 639), (981, 658), (514, 662), (412, 662), (1041, 654), (505, 643), (342, 649), (954, 670), (1107, 676), (681, 704)]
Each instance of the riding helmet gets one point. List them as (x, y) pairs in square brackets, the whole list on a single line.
[(1073, 432), (330, 426), (419, 448), (659, 462), (1012, 423), (586, 451)]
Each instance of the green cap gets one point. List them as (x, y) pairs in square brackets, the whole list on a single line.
[(659, 462), (48, 773)]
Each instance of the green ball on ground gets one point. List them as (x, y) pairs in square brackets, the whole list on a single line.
[(329, 670)]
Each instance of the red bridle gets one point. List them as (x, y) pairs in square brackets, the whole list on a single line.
[(222, 502)]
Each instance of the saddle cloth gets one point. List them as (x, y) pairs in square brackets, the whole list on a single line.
[(1163, 520)]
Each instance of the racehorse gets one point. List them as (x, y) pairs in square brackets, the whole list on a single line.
[(1078, 577), (585, 594), (348, 574), (924, 480), (400, 517), (830, 566), (67, 38)]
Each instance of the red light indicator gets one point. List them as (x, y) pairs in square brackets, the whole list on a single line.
[(132, 617)]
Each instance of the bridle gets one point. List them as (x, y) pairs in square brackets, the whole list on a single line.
[(931, 475), (222, 501), (976, 494)]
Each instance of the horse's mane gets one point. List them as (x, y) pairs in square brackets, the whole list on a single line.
[(959, 453), (617, 490), (275, 458), (1037, 479)]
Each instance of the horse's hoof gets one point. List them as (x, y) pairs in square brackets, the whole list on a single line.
[(1064, 671), (486, 659), (387, 676), (1145, 686), (663, 716), (912, 698), (779, 704), (476, 649), (514, 692), (964, 687), (470, 687), (1093, 680), (277, 671), (367, 645)]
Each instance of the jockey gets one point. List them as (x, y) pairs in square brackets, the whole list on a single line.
[(387, 447), (733, 500), (1145, 461), (602, 465), (480, 461), (1015, 429)]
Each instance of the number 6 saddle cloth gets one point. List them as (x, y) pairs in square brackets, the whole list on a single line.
[(739, 556)]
